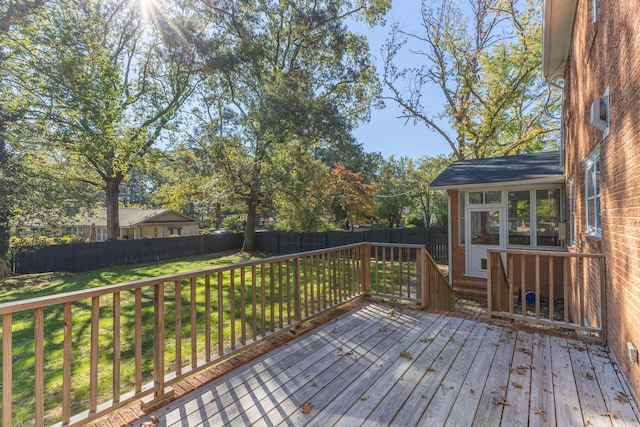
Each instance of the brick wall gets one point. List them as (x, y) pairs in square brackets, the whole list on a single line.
[(607, 54)]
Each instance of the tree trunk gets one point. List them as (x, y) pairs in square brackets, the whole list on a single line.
[(249, 232), (112, 193)]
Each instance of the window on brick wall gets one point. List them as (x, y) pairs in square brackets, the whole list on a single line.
[(591, 166)]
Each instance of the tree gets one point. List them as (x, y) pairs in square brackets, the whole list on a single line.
[(107, 82), (284, 73), (348, 191), (486, 63), (11, 111), (432, 204), (394, 195)]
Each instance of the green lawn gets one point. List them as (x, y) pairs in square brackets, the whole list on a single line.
[(36, 285), (267, 300)]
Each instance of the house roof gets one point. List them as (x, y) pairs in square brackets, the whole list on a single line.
[(521, 168), (556, 36), (131, 217)]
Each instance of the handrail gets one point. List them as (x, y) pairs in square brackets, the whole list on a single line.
[(179, 324), (550, 288)]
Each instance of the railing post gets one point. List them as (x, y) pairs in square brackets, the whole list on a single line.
[(160, 393), (489, 286), (421, 279), (603, 295), (366, 269)]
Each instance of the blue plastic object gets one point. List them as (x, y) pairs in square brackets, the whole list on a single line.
[(530, 297)]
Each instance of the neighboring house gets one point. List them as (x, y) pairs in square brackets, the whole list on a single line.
[(591, 50), (134, 224)]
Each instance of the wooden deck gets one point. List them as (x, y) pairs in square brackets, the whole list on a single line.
[(381, 366)]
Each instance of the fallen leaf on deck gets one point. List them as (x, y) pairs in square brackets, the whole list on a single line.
[(430, 369), (525, 351), (382, 329), (539, 411), (516, 385), (610, 415), (307, 407), (501, 401), (406, 355), (588, 376), (392, 312), (622, 398), (472, 391), (505, 387), (363, 398)]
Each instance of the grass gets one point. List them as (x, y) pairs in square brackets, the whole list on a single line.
[(37, 285), (268, 305)]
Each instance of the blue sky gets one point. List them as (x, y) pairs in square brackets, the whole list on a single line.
[(386, 132)]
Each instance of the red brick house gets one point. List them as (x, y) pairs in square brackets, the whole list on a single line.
[(592, 50), (591, 202)]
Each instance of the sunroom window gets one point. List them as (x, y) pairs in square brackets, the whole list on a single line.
[(520, 218)]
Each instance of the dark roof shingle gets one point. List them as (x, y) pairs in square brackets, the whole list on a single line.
[(520, 167)]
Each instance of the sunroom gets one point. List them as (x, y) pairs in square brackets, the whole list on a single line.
[(511, 202)]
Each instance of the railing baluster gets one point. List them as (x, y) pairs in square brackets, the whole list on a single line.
[(38, 332), (93, 370), (220, 315), (207, 317), (243, 307), (263, 299), (178, 324), (296, 290), (288, 284), (306, 283), (66, 364), (7, 369), (194, 324), (565, 285), (232, 307), (603, 305), (523, 288), (254, 313), (138, 341), (272, 302), (537, 266), (400, 271), (311, 290), (510, 261), (551, 291), (280, 296), (116, 347)]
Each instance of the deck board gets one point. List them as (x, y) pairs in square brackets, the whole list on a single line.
[(377, 366)]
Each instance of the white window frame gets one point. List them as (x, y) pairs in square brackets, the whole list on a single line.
[(101, 234), (591, 165)]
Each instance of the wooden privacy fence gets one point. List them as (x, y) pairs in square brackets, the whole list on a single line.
[(435, 239), (79, 257), (553, 289), (73, 357)]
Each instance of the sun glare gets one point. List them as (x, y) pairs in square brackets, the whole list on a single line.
[(148, 8)]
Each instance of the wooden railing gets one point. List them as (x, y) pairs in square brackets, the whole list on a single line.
[(552, 289), (408, 272), (134, 340)]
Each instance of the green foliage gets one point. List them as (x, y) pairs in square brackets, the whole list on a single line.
[(291, 78), (486, 63), (102, 84), (232, 222)]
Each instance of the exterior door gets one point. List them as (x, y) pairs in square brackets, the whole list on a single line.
[(484, 231)]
